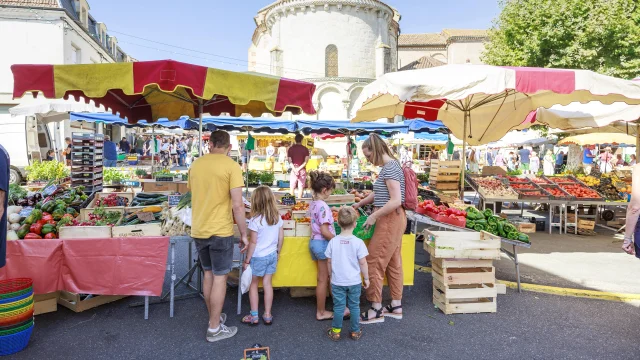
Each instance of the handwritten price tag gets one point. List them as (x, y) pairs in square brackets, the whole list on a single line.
[(146, 216)]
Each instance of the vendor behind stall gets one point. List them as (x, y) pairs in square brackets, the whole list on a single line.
[(110, 152), (298, 157)]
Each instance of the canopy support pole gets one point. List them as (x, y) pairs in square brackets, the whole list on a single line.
[(637, 139), (200, 111), (153, 144), (246, 174), (463, 156)]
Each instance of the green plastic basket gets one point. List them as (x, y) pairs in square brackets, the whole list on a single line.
[(359, 231), (16, 330), (16, 293)]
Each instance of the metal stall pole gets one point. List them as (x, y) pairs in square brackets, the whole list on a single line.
[(464, 151), (200, 111)]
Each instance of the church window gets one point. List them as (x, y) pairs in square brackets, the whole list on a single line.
[(331, 61), (387, 60)]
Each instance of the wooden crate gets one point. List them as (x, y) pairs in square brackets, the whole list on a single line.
[(299, 214), (465, 245), (84, 232), (586, 224), (84, 213), (154, 229), (45, 303), (159, 186), (303, 229), (289, 228), (341, 199), (527, 228), (74, 302), (464, 286), (445, 175)]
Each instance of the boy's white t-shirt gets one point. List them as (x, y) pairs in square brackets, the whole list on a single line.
[(345, 252), (267, 236)]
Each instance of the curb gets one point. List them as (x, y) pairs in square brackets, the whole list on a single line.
[(552, 290)]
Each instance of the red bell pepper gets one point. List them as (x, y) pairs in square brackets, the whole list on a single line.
[(36, 228), (50, 236), (41, 222), (46, 217), (32, 236)]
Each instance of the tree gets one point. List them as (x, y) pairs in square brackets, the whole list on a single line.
[(598, 35)]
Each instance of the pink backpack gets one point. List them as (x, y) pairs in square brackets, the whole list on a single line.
[(410, 187)]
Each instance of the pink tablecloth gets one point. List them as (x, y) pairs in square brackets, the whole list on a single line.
[(117, 266)]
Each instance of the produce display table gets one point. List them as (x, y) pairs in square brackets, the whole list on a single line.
[(513, 255), (295, 266), (597, 204)]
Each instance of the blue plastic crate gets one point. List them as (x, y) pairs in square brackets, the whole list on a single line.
[(283, 184)]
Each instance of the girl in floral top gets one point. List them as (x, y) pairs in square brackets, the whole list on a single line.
[(322, 232)]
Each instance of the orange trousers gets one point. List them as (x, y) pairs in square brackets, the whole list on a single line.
[(385, 256)]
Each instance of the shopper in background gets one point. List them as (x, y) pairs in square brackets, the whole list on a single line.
[(5, 169), (110, 152), (489, 157), (587, 158), (619, 161), (525, 160), (472, 162), (139, 145), (499, 159), (266, 236), (631, 244), (632, 160), (215, 182), (51, 155), (605, 161), (270, 151), (298, 157), (390, 220), (173, 149), (548, 166), (534, 163), (125, 146), (282, 154), (559, 162)]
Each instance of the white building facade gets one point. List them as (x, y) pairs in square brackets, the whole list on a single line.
[(47, 32), (340, 45), (451, 46)]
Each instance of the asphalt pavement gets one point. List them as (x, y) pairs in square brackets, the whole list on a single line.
[(526, 326)]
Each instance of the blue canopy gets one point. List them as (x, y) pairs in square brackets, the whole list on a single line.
[(348, 128), (106, 118), (423, 126), (182, 123), (431, 137), (249, 124)]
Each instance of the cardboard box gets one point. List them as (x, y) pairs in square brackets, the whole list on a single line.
[(154, 229), (85, 232), (526, 228), (73, 301), (182, 187), (157, 186), (45, 303), (586, 224)]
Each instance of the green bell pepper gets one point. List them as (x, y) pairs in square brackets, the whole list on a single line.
[(479, 227), (482, 222), (71, 211), (470, 224), (48, 228), (492, 221), (487, 213), (57, 214), (23, 231), (37, 214), (512, 235), (523, 237)]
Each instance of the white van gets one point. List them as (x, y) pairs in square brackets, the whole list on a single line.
[(25, 139)]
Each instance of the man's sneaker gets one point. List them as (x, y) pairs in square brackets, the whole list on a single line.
[(222, 333), (223, 319)]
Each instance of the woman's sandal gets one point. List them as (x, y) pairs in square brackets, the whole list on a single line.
[(335, 336), (356, 335), (364, 318), (267, 320), (390, 312), (251, 320)]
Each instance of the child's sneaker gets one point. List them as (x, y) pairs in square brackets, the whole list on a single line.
[(222, 333), (356, 335), (335, 336)]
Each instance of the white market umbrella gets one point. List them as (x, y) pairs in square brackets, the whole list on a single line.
[(481, 103)]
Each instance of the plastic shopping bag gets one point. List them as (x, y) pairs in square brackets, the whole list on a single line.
[(245, 281)]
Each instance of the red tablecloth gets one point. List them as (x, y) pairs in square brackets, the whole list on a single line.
[(117, 266)]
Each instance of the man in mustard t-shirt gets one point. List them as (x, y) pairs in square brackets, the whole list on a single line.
[(215, 181)]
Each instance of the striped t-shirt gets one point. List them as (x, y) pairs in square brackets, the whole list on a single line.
[(391, 170)]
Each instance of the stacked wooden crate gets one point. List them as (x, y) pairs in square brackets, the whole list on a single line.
[(464, 279), (445, 175)]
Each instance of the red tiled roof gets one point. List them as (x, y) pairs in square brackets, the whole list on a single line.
[(424, 62)]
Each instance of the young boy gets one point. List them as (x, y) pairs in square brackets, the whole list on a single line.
[(346, 254)]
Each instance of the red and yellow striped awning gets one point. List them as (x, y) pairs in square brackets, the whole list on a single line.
[(150, 90)]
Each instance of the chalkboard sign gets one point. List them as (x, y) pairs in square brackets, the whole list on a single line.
[(288, 200), (49, 190), (26, 211), (257, 353), (174, 200)]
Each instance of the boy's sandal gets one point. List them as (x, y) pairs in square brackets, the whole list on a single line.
[(364, 318), (356, 335), (390, 312), (251, 320), (335, 336), (267, 320)]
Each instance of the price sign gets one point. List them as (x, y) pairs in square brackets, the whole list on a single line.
[(257, 353), (173, 200), (25, 211), (49, 190), (288, 200), (145, 216)]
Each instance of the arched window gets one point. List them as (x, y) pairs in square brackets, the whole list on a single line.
[(331, 61)]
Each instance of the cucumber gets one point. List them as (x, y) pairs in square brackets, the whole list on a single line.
[(148, 195)]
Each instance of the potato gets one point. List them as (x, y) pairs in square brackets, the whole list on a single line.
[(358, 199)]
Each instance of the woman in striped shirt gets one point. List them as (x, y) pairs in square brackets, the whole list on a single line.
[(390, 219)]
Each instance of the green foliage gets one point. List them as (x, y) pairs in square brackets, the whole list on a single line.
[(47, 170), (598, 35), (423, 178), (141, 172), (267, 178), (254, 177), (339, 192), (110, 175), (16, 192), (514, 172)]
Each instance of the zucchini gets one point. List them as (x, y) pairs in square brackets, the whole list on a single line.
[(148, 195)]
